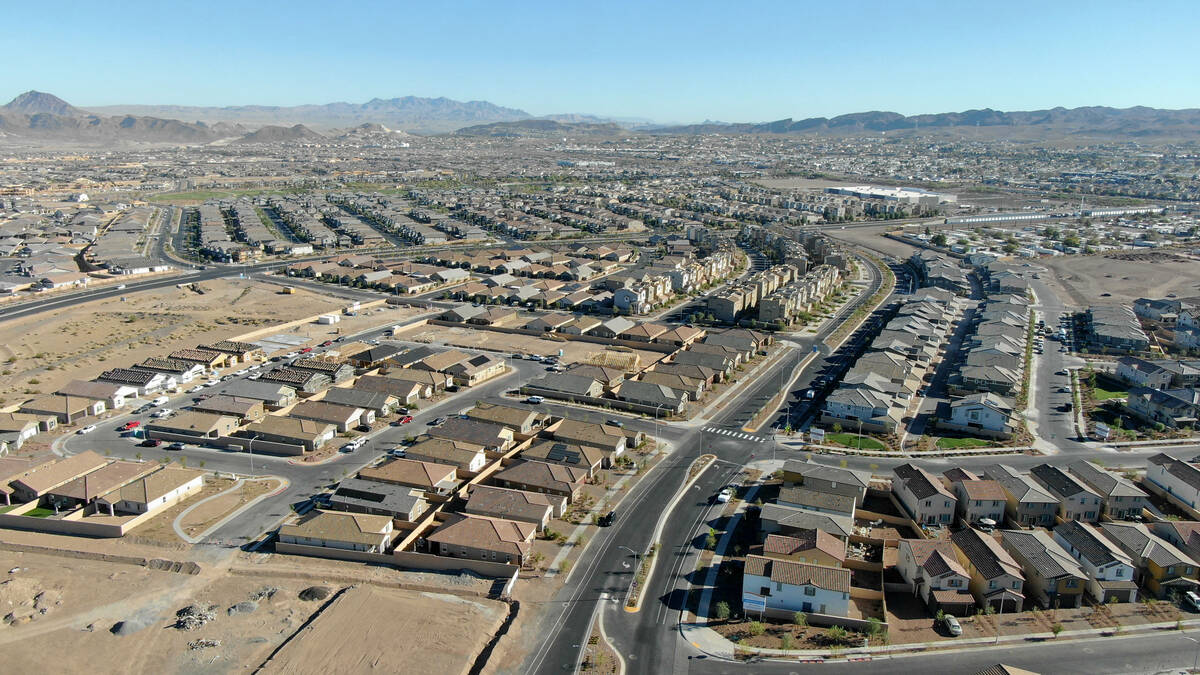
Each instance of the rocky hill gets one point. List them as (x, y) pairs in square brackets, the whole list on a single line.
[(1056, 122), (541, 128), (273, 134)]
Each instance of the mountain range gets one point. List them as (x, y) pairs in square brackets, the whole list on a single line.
[(41, 118)]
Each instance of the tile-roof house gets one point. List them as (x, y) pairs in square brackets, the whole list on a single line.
[(429, 476), (357, 495), (1053, 578), (816, 547), (980, 499), (1179, 479), (791, 586), (534, 476), (815, 500), (828, 479), (1162, 567), (1111, 572), (996, 579), (45, 477), (529, 507), (791, 521), (1027, 502), (924, 497), (1121, 498), (334, 529), (933, 570), (483, 538), (1076, 500)]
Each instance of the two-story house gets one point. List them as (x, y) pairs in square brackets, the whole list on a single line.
[(1076, 500), (829, 479), (1179, 479), (1162, 567), (1121, 498), (923, 496), (1052, 577), (791, 586), (996, 579), (1110, 570), (1027, 503), (931, 567)]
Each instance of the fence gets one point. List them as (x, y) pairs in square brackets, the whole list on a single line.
[(410, 560)]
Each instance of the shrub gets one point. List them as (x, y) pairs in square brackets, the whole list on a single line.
[(874, 626), (722, 610), (1056, 629), (785, 642), (800, 619), (837, 634), (755, 628)]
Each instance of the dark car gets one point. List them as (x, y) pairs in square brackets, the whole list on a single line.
[(607, 519), (440, 420), (150, 443)]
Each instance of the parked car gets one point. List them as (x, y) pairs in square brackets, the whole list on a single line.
[(952, 625), (1192, 600), (436, 422), (161, 400), (607, 519), (1061, 372), (406, 419), (327, 343), (534, 400), (518, 356), (615, 423), (87, 430), (175, 446), (397, 452), (131, 424), (306, 350), (150, 443), (725, 495)]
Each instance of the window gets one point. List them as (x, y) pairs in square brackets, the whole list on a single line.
[(779, 585), (1120, 572), (764, 590), (1171, 569), (1016, 584), (1072, 583), (809, 590), (991, 584), (928, 502), (978, 503)]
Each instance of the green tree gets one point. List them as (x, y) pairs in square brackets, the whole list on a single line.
[(710, 541), (1056, 629), (722, 610), (939, 239)]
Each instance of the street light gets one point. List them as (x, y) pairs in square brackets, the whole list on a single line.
[(250, 448), (636, 556)]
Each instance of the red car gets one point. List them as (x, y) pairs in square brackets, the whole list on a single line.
[(132, 424), (327, 343), (406, 419), (306, 350)]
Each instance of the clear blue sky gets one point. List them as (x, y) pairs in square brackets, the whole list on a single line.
[(683, 62)]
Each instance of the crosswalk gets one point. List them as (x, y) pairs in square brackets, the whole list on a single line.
[(734, 434)]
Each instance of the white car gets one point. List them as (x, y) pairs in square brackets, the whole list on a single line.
[(165, 412), (243, 371), (725, 495), (212, 383), (196, 388), (534, 399), (161, 400), (87, 430)]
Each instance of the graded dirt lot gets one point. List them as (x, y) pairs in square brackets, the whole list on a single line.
[(1124, 275), (363, 628), (38, 354), (872, 238), (68, 614)]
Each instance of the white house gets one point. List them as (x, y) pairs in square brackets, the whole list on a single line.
[(791, 586), (923, 496), (333, 529), (1110, 570), (932, 568), (153, 492), (983, 414), (1180, 479)]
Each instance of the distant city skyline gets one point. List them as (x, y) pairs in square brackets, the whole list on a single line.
[(752, 62)]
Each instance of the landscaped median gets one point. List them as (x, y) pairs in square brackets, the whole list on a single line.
[(859, 315), (645, 562)]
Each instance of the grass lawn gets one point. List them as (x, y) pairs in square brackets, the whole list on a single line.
[(852, 441), (947, 443), (39, 512), (1102, 394)]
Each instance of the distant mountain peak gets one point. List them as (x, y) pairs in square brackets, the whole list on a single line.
[(34, 102)]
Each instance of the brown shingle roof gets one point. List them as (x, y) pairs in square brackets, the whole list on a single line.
[(799, 574)]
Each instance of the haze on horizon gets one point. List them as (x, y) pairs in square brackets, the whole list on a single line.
[(687, 63)]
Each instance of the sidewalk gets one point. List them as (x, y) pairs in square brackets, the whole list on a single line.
[(713, 644)]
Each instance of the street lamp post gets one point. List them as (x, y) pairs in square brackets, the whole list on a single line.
[(250, 449), (636, 556)]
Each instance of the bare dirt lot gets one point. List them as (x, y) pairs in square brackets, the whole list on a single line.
[(38, 354), (359, 631), (1083, 280), (872, 238), (66, 614)]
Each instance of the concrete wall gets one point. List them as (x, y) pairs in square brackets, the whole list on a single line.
[(632, 344), (71, 523), (602, 402), (403, 560)]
